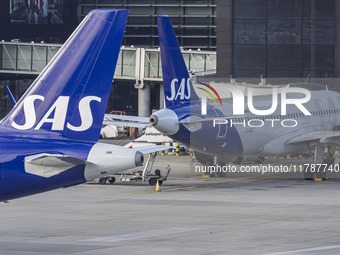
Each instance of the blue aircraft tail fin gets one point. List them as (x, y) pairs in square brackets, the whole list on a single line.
[(10, 95), (178, 88), (69, 97)]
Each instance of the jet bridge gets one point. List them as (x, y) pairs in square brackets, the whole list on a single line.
[(137, 64)]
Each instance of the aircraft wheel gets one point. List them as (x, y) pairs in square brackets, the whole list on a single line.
[(160, 182), (102, 180), (307, 174), (112, 180), (322, 174), (152, 181)]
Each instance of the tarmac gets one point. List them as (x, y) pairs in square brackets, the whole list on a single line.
[(242, 213)]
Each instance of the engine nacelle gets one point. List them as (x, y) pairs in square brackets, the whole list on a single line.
[(107, 159), (204, 159)]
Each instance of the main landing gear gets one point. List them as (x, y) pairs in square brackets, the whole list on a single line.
[(323, 159)]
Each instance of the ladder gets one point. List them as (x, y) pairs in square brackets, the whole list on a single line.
[(149, 164)]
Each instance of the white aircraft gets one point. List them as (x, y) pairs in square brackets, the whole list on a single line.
[(290, 120)]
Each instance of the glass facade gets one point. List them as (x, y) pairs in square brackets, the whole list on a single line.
[(194, 20), (283, 38)]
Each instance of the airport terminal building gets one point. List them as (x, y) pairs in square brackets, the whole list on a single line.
[(293, 39)]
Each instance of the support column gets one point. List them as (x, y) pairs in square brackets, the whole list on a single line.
[(144, 101), (161, 96), (224, 39), (337, 45)]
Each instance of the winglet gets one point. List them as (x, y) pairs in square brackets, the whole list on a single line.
[(69, 97), (178, 89)]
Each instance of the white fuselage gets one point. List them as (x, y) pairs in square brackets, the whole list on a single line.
[(270, 133)]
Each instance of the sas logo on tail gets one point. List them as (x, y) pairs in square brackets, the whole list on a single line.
[(60, 108), (183, 91)]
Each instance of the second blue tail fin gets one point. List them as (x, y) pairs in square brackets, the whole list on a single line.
[(69, 97), (178, 88), (10, 95)]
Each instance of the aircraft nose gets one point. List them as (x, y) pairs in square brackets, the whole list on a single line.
[(165, 121)]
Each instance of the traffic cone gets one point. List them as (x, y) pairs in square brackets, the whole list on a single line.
[(157, 186)]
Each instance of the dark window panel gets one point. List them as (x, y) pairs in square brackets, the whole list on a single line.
[(318, 57), (198, 10), (284, 9), (197, 31), (198, 2), (284, 57), (167, 10), (249, 56), (283, 74), (85, 10), (319, 32), (178, 31), (106, 1), (284, 32), (319, 9), (1, 49), (138, 41), (213, 42), (175, 21), (250, 9), (138, 31), (301, 37), (141, 10), (88, 1), (249, 31), (246, 73), (319, 73), (138, 1), (140, 21), (155, 41), (196, 21), (166, 1), (195, 41)]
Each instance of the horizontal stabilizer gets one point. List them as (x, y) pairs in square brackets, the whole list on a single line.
[(127, 117), (151, 149), (322, 136), (125, 124), (47, 165)]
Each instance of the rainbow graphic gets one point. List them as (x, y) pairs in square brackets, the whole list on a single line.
[(209, 93)]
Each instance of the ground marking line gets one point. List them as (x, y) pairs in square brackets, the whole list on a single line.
[(190, 187), (305, 250)]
